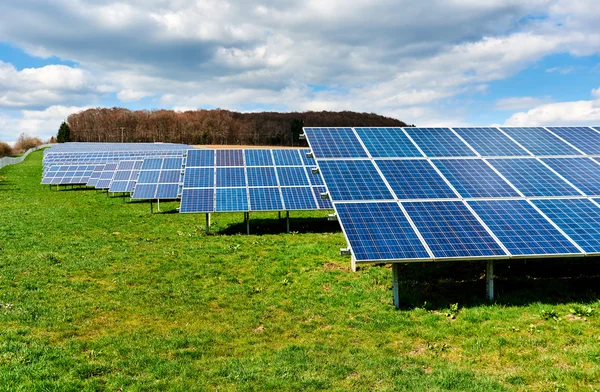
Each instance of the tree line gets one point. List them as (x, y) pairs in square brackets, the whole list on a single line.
[(209, 126)]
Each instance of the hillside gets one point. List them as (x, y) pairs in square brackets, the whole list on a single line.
[(210, 126)]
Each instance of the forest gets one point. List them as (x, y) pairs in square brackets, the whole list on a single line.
[(210, 126)]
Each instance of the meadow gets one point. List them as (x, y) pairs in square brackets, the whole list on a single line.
[(96, 293)]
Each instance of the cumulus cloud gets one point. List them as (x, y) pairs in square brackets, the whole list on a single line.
[(40, 123), (520, 103)]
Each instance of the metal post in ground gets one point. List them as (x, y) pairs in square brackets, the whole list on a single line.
[(287, 219), (489, 281), (247, 223), (207, 222), (396, 284)]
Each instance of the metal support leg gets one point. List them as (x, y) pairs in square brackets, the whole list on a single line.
[(247, 223), (287, 219), (279, 215), (353, 263), (489, 281), (158, 205), (396, 284), (151, 207), (207, 222)]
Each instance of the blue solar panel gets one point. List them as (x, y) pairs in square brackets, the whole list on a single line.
[(230, 158), (292, 176), (584, 173), (152, 164), (119, 186), (473, 178), (521, 229), (261, 176), (322, 203), (307, 161), (167, 191), (95, 176), (197, 200), (122, 175), (387, 143), (144, 191), (148, 177), (579, 218), (169, 177), (584, 138), (265, 199), (415, 179), (380, 231), (125, 165), (334, 143), (199, 177), (231, 177), (532, 178), (200, 158), (298, 198), (315, 179), (354, 180), (439, 142), (451, 230), (490, 142), (287, 157), (258, 158), (231, 199), (539, 141)]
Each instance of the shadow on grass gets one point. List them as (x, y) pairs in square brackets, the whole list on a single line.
[(516, 283), (263, 226)]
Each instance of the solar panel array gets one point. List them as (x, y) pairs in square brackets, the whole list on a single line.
[(159, 178), (251, 180), (422, 194), (125, 176)]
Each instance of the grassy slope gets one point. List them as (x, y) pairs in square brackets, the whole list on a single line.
[(99, 294)]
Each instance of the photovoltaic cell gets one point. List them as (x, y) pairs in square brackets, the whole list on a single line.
[(387, 143), (298, 198), (170, 177), (258, 158), (414, 179), (354, 180), (167, 191), (439, 142), (152, 164), (287, 157), (380, 231), (584, 138), (322, 203), (307, 161), (230, 158), (539, 141), (532, 178), (197, 177), (172, 164), (473, 178), (579, 218), (584, 173), (490, 142), (265, 199), (315, 179), (231, 177), (148, 177), (292, 176), (144, 191), (261, 176), (231, 199), (451, 230), (200, 158), (334, 143), (521, 229), (197, 200)]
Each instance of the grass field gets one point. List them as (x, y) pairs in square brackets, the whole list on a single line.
[(97, 294)]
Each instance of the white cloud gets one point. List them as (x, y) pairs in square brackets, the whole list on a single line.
[(132, 96), (559, 114), (520, 103), (596, 93)]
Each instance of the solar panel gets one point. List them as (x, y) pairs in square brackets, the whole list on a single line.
[(354, 180), (261, 176), (324, 204), (521, 229), (199, 177), (106, 176), (231, 177), (451, 230), (379, 231), (167, 191), (125, 176), (539, 141), (152, 164), (292, 176), (532, 178), (307, 161), (439, 142), (584, 173), (265, 199), (258, 158), (387, 143), (200, 158), (287, 157), (298, 198), (231, 199), (490, 142), (474, 178), (230, 158), (579, 218), (415, 179), (95, 176), (335, 143), (144, 191), (68, 174), (149, 177), (197, 200), (584, 138)]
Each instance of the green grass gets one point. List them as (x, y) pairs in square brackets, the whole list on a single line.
[(97, 294)]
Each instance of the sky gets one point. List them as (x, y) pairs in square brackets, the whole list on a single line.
[(428, 63)]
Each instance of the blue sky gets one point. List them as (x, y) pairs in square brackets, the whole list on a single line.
[(435, 63)]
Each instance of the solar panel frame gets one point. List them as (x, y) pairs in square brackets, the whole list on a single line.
[(585, 139), (388, 143), (539, 141), (337, 143), (583, 173), (491, 142), (439, 142), (354, 180)]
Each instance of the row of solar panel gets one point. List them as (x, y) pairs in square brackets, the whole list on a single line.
[(99, 158), (110, 147), (159, 178), (249, 157), (206, 200), (352, 180), (431, 230), (453, 142)]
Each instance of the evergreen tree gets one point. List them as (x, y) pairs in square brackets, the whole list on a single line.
[(64, 133), (296, 126)]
